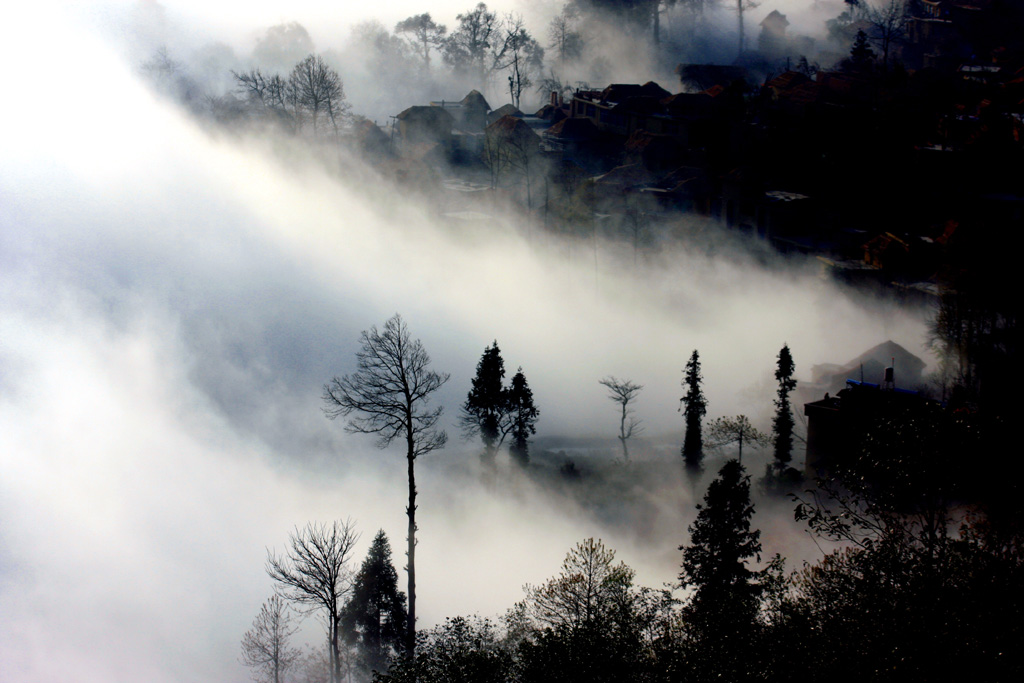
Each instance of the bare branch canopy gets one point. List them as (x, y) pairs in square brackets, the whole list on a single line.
[(387, 395)]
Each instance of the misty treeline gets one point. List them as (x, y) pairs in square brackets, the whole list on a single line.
[(921, 575), (584, 42), (908, 588)]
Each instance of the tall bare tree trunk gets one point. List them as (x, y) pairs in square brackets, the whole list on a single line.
[(410, 635)]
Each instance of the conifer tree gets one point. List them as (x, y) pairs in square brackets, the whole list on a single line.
[(375, 617), (523, 415), (782, 424), (861, 53), (694, 408), (486, 407), (721, 617)]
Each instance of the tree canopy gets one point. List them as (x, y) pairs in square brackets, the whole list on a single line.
[(314, 571), (782, 423)]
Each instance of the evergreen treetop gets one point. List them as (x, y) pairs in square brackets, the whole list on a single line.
[(694, 408), (375, 617), (523, 417), (721, 542), (782, 424), (485, 406)]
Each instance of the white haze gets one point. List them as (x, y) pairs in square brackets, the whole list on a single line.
[(171, 304)]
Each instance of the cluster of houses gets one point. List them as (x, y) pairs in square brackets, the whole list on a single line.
[(808, 160)]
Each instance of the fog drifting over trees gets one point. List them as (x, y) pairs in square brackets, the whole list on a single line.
[(172, 301)]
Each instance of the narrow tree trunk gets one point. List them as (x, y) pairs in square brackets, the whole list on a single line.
[(335, 650), (410, 635), (333, 656), (622, 434)]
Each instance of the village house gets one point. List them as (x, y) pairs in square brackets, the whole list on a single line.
[(469, 114)]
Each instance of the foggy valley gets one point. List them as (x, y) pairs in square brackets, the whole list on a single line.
[(182, 273)]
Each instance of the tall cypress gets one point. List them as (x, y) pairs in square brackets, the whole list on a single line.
[(694, 408), (782, 424)]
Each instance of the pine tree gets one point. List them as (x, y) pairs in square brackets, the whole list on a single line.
[(695, 406), (523, 415), (721, 616), (375, 617), (782, 424), (486, 404), (861, 53)]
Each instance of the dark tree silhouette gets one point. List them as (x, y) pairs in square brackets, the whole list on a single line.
[(722, 613), (782, 424), (861, 53), (888, 24), (375, 617), (519, 54), (624, 392), (314, 572), (721, 541), (486, 408), (425, 34), (566, 40), (269, 96), (468, 46), (318, 90), (389, 393), (588, 592), (523, 416), (724, 431), (694, 408), (496, 412), (265, 646)]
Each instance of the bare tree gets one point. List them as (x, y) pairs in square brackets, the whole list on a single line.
[(728, 430), (389, 392), (270, 95), (624, 392), (889, 22), (425, 34), (566, 41), (315, 572), (518, 54), (318, 89), (512, 150), (467, 46), (265, 646), (741, 7)]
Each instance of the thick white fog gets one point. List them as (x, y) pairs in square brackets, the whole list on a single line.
[(171, 303)]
